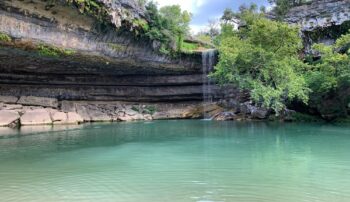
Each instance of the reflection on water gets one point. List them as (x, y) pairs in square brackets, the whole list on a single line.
[(176, 161)]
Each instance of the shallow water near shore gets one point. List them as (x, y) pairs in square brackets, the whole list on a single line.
[(177, 161)]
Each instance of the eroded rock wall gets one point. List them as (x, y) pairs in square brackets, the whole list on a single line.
[(103, 66), (321, 21)]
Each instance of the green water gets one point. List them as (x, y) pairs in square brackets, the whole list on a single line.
[(177, 161)]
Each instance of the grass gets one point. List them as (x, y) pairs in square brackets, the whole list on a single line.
[(50, 51), (189, 47), (4, 37)]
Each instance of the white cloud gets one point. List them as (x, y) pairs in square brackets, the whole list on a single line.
[(189, 5)]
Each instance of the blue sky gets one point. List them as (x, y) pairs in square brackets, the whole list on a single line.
[(204, 10)]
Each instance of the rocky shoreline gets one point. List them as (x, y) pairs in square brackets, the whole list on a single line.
[(30, 110)]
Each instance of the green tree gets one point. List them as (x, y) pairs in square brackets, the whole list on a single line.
[(263, 58), (168, 25), (178, 22), (332, 70)]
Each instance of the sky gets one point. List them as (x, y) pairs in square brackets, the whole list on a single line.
[(205, 10)]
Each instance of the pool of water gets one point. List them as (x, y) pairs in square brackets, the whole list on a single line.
[(177, 161)]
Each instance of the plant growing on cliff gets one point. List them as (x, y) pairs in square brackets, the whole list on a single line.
[(168, 26), (90, 7), (263, 58), (50, 51), (332, 71), (4, 37)]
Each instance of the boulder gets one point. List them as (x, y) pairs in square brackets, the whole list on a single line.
[(8, 99), (259, 113), (138, 117), (38, 101), (8, 117), (224, 116), (58, 117), (36, 117), (288, 115), (74, 118), (147, 117), (129, 110), (96, 115), (125, 118), (246, 108)]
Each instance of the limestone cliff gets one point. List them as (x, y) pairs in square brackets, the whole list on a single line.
[(55, 51), (321, 21)]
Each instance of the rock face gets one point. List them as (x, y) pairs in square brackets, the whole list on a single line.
[(36, 117), (8, 99), (321, 21), (107, 66), (319, 14), (38, 101), (8, 117)]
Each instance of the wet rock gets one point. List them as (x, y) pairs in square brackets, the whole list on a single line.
[(8, 117), (259, 113), (8, 99), (195, 112), (288, 115), (38, 101), (232, 104), (74, 118), (36, 117), (224, 116)]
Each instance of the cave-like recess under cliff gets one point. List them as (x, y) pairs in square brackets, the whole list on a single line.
[(101, 66)]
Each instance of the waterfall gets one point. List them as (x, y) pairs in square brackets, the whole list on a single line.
[(208, 60)]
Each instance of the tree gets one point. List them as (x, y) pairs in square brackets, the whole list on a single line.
[(228, 15), (332, 70), (178, 22), (168, 25), (263, 58)]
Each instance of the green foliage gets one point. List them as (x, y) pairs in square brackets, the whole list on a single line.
[(169, 25), (330, 72), (150, 110), (4, 37), (205, 38), (189, 47), (144, 110), (90, 7), (263, 57), (142, 3), (50, 51)]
